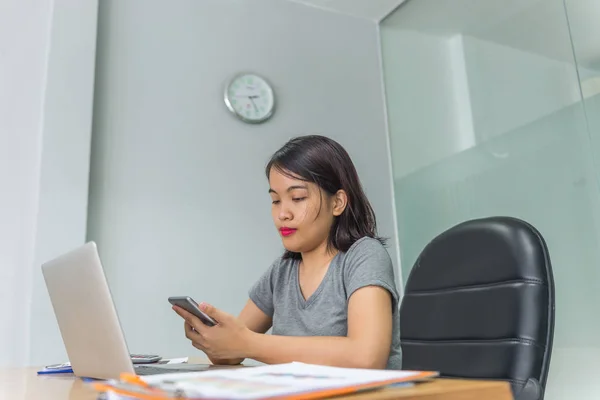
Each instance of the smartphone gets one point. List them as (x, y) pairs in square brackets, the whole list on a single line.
[(189, 305)]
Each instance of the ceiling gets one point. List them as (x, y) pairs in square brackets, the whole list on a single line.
[(538, 26), (369, 9)]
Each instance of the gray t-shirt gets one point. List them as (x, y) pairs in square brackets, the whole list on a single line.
[(325, 313)]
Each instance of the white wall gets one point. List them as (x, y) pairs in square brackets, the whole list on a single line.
[(63, 187), (22, 82), (178, 196), (46, 82)]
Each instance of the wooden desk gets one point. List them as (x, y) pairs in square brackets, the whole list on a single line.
[(25, 384)]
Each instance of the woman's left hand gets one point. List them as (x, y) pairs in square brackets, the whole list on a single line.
[(226, 340)]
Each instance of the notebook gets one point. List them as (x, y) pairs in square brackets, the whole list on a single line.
[(289, 381)]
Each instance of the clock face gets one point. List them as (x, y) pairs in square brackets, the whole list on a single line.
[(250, 98)]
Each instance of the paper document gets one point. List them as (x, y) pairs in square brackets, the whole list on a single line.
[(282, 381), (181, 360)]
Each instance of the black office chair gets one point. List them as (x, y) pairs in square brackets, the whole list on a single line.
[(479, 304)]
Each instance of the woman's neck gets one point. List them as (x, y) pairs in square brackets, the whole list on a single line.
[(318, 258)]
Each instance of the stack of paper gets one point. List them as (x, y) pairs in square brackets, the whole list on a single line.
[(286, 381)]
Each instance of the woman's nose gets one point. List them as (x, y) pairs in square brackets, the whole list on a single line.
[(284, 214)]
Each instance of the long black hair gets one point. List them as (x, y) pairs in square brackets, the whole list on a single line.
[(324, 161)]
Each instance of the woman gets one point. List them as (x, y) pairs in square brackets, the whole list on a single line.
[(331, 298)]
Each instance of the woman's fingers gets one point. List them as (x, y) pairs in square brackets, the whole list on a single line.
[(198, 346), (194, 330), (190, 319), (195, 337), (191, 333)]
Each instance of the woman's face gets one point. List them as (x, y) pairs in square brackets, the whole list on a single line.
[(302, 212)]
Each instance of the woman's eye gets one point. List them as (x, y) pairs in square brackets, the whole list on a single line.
[(299, 198), (275, 202)]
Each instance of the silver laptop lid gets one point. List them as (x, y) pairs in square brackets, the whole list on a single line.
[(86, 314)]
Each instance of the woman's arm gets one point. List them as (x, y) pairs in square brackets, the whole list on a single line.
[(253, 317), (367, 344)]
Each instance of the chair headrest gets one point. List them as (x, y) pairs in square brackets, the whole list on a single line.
[(488, 250)]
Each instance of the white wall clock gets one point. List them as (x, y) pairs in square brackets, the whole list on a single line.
[(250, 98)]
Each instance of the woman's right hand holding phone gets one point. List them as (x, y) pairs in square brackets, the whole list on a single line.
[(251, 318), (225, 343)]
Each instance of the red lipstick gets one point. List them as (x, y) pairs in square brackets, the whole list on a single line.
[(286, 231)]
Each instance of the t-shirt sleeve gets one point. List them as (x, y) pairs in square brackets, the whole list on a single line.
[(369, 264), (261, 292)]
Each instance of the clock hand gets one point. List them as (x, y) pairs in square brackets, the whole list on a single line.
[(253, 103)]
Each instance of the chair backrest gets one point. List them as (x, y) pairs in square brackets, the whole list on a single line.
[(479, 304)]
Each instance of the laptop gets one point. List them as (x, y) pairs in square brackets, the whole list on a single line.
[(88, 320)]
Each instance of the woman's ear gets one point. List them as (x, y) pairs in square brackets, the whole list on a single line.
[(340, 202)]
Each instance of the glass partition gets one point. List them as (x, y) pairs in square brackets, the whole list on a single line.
[(584, 23), (486, 117)]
